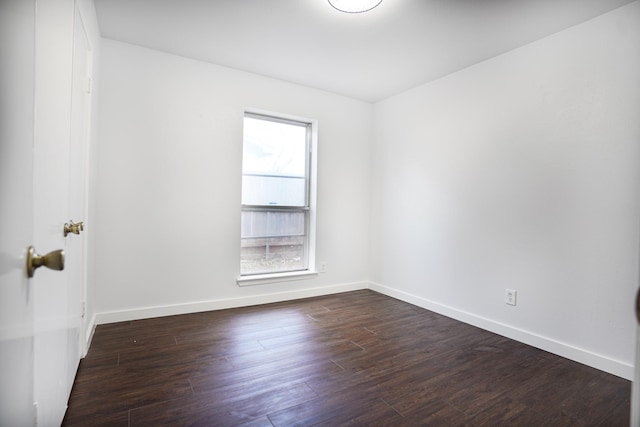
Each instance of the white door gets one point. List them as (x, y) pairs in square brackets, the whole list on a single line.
[(40, 318), (60, 138), (17, 46), (54, 38), (78, 178)]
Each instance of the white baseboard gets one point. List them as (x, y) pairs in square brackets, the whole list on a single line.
[(91, 328), (597, 361), (221, 304)]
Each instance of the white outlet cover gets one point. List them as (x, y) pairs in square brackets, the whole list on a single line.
[(510, 296)]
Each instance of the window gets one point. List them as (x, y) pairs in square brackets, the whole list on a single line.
[(278, 196)]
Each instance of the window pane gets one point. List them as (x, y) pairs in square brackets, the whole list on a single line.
[(276, 159), (272, 255), (274, 163), (273, 190), (272, 241), (265, 223)]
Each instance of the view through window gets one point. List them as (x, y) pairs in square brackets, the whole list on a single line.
[(275, 195)]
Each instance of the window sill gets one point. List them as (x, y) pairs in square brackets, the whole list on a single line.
[(262, 279)]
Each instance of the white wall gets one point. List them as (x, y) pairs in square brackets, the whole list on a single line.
[(167, 219), (520, 172)]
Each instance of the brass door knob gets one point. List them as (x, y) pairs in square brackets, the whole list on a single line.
[(71, 227), (53, 260)]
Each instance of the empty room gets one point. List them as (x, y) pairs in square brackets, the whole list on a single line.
[(319, 212)]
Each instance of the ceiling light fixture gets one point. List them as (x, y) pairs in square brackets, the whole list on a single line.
[(354, 6)]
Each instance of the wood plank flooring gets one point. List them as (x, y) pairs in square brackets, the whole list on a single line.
[(357, 359)]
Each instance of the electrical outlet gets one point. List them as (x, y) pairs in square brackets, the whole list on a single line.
[(323, 267), (510, 296)]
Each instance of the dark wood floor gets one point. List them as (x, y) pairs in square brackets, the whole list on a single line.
[(358, 358)]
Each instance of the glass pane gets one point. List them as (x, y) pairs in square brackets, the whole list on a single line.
[(272, 224), (274, 163), (272, 241), (272, 255), (273, 190)]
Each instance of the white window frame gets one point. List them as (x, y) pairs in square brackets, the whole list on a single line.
[(310, 272)]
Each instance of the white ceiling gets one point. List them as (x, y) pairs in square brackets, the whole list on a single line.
[(370, 56)]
